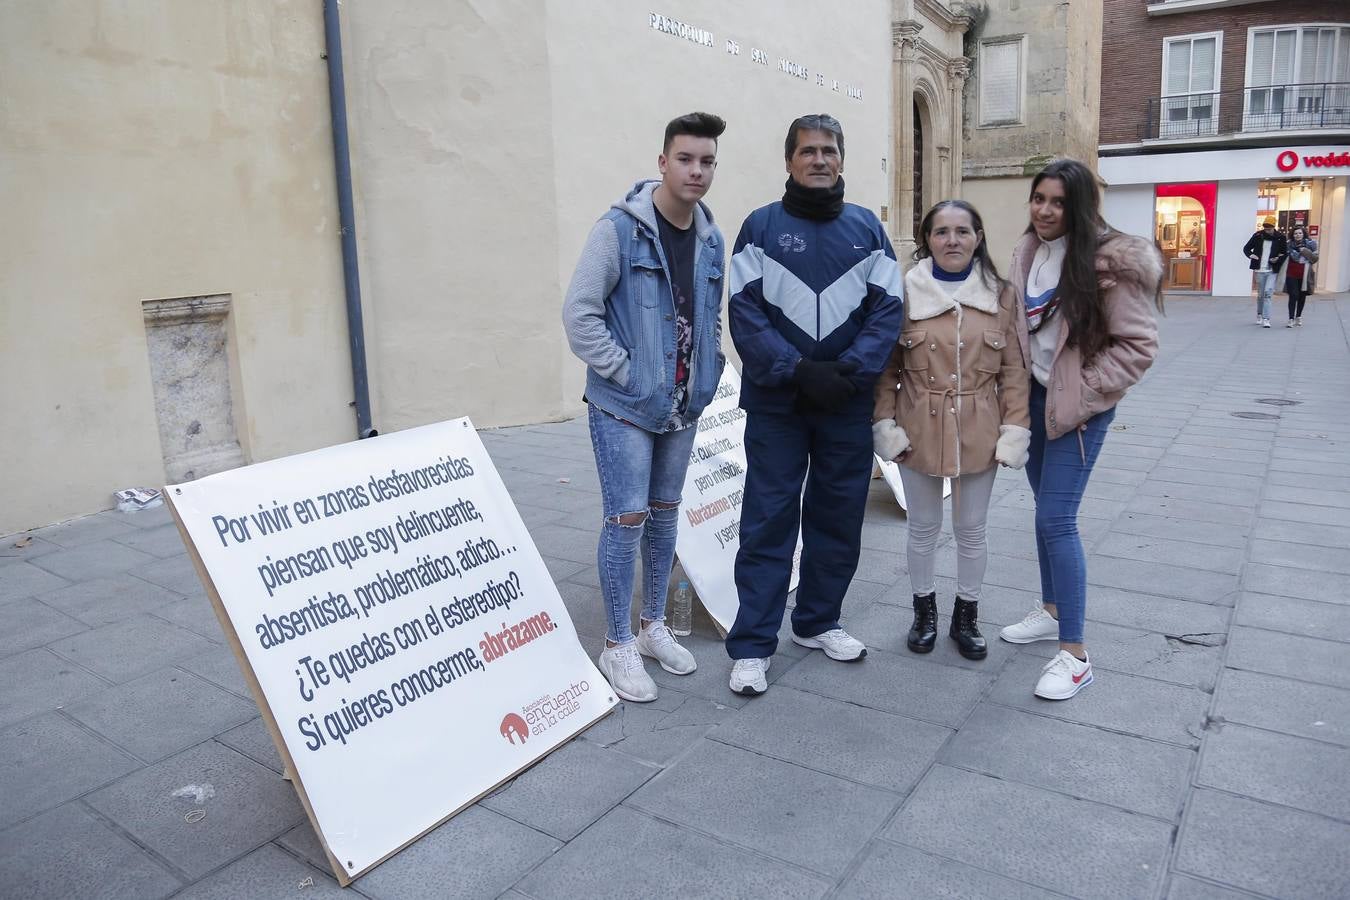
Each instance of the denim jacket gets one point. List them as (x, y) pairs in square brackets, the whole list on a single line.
[(619, 315)]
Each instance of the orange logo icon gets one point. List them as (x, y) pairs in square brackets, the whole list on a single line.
[(513, 726)]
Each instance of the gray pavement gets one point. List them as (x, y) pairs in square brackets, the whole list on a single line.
[(1210, 758)]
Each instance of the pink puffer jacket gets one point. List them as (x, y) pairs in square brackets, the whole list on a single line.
[(1129, 269)]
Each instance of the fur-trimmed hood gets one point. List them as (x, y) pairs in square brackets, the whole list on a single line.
[(1126, 257), (926, 298)]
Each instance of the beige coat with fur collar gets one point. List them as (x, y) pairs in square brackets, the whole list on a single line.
[(956, 375)]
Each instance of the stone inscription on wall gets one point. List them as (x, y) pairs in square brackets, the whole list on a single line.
[(189, 366), (790, 67)]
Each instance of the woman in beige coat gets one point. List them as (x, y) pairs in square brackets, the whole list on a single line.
[(952, 402)]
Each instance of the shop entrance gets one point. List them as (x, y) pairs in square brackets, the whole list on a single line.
[(1183, 217), (1289, 200)]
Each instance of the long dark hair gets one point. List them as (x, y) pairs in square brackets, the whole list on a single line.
[(987, 267), (1080, 301)]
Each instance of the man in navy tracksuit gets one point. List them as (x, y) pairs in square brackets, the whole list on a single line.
[(814, 311)]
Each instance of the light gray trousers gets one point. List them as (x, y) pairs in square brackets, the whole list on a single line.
[(970, 510)]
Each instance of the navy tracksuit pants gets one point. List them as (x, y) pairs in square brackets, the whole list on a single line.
[(833, 454)]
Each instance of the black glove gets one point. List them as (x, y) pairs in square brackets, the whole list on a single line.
[(823, 387)]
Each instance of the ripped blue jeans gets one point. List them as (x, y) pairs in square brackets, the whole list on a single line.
[(641, 478)]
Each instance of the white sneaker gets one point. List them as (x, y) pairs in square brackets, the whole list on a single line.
[(1298, 320), (622, 666), (658, 642), (1289, 324), (1039, 625), (1064, 676), (747, 676), (1259, 321), (837, 644), (1265, 323)]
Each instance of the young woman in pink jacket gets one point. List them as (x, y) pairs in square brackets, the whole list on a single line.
[(1088, 335)]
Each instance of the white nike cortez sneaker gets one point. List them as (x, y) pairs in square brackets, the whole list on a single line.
[(1064, 676)]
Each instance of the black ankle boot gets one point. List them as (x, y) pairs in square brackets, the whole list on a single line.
[(965, 632), (923, 633)]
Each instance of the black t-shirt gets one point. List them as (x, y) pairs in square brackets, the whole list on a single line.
[(679, 246)]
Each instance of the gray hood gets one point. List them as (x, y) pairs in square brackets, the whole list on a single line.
[(638, 204)]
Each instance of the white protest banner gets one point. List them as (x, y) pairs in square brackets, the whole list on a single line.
[(710, 517), (401, 634)]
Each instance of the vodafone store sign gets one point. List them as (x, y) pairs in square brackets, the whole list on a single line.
[(1288, 161)]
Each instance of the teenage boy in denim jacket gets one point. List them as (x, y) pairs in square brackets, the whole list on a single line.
[(643, 312)]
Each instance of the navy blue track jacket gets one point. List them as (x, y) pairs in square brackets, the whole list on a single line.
[(820, 290)]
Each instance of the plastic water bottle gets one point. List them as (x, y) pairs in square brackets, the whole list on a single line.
[(682, 610)]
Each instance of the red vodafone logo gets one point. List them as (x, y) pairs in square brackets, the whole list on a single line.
[(1288, 161)]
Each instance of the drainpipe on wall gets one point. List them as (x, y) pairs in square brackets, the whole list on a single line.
[(342, 164)]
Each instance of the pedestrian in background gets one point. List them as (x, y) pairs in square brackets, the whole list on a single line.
[(1298, 272), (644, 312), (1266, 251), (951, 403), (1089, 334)]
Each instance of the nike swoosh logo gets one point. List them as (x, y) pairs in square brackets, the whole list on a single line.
[(1080, 676), (858, 247)]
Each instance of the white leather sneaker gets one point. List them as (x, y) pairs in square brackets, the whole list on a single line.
[(1039, 625), (1064, 676), (747, 676), (837, 644), (622, 667), (658, 642)]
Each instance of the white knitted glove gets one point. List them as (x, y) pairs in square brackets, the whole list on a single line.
[(1011, 449), (889, 439)]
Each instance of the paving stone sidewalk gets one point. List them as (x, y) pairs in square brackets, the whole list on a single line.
[(1210, 758)]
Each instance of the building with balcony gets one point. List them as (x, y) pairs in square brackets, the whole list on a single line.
[(1218, 113)]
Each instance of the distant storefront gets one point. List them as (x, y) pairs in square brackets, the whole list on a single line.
[(1211, 201)]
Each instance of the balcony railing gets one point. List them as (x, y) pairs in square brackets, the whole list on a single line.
[(1246, 110)]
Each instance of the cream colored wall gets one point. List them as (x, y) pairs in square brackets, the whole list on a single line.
[(1002, 203), (616, 82), (1334, 270), (488, 138), (453, 158), (150, 150), (169, 149)]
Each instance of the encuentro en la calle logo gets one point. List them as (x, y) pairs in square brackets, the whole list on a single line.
[(544, 713), (513, 726)]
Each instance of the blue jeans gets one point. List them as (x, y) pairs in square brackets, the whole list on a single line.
[(1265, 286), (833, 455), (1058, 471), (641, 477)]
